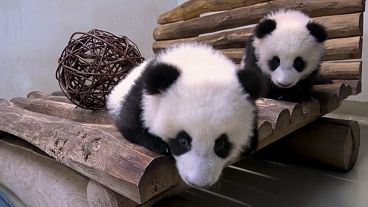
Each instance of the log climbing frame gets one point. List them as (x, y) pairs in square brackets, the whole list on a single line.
[(88, 143)]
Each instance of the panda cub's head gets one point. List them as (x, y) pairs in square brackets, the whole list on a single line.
[(288, 46), (197, 101)]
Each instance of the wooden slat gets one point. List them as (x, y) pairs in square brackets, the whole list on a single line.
[(331, 95), (63, 110), (336, 49), (356, 85), (342, 70), (41, 95), (264, 129), (128, 169), (285, 124), (229, 39), (250, 15), (275, 113), (337, 26), (343, 48), (331, 142), (194, 8)]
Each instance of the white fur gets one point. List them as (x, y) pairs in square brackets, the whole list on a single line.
[(206, 101), (290, 39), (117, 95)]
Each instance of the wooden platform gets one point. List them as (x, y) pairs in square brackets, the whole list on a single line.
[(89, 143)]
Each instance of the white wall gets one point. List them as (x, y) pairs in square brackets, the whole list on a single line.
[(363, 96), (33, 34)]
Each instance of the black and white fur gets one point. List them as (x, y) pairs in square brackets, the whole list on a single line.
[(287, 47), (190, 102)]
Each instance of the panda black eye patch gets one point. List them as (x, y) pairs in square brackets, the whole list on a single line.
[(274, 63), (222, 146), (299, 64), (181, 144)]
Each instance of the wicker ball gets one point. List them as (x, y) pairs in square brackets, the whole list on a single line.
[(92, 64)]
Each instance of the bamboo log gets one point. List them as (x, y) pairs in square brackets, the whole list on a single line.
[(330, 142), (337, 26), (342, 70), (250, 15), (63, 110), (194, 8), (336, 49), (128, 169)]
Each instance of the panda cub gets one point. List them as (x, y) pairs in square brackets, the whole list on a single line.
[(287, 48), (190, 102)]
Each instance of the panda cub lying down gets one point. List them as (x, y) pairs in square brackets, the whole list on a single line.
[(190, 102), (287, 48)]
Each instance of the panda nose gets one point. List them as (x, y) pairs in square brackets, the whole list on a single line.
[(284, 85)]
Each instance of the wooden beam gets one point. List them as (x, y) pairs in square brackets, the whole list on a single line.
[(338, 26), (63, 110), (342, 70), (356, 85), (104, 156), (343, 48), (331, 142), (336, 49), (41, 95), (331, 95), (250, 15), (194, 8), (292, 116)]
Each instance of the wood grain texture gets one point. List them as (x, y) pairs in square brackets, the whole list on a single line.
[(194, 8), (41, 95), (63, 110), (292, 116), (343, 48), (356, 85), (250, 15), (128, 169), (337, 26), (100, 196), (331, 95), (342, 70), (40, 181), (331, 142), (336, 49)]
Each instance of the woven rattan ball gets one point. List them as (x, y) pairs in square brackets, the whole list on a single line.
[(92, 64)]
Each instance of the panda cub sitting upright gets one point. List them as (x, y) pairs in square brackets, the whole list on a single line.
[(190, 102), (287, 48)]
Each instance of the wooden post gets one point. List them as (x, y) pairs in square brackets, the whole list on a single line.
[(327, 141)]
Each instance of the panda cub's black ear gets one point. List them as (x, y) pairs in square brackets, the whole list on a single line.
[(265, 27), (253, 82), (158, 77), (317, 30)]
